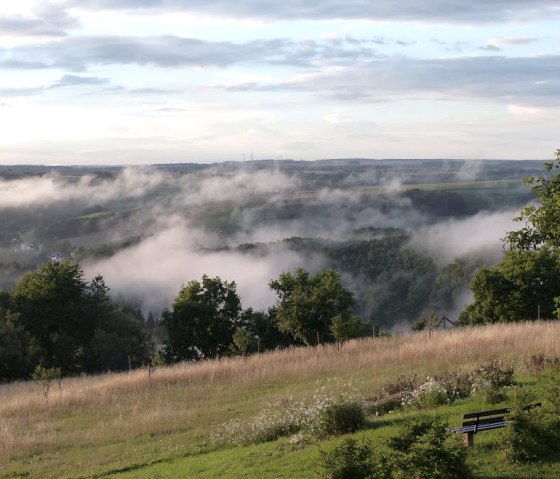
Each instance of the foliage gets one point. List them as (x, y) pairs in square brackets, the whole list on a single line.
[(17, 350), (538, 363), (490, 380), (262, 326), (344, 328), (119, 343), (353, 460), (329, 413), (202, 320), (424, 449), (53, 307), (241, 340), (525, 436), (397, 281), (307, 303), (541, 220), (430, 394), (336, 413), (44, 377), (526, 283), (522, 287), (58, 320)]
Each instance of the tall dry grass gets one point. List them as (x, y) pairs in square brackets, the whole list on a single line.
[(178, 404)]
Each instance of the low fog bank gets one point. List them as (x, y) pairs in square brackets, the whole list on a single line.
[(152, 272), (477, 236)]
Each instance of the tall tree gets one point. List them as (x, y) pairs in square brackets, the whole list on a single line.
[(71, 324), (52, 307), (307, 303), (202, 320)]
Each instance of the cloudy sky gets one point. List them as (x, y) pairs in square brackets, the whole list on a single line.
[(152, 81)]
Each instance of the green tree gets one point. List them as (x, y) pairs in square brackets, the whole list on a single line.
[(241, 340), (44, 377), (307, 303), (16, 348), (523, 287), (541, 219), (526, 284), (343, 328), (264, 329), (72, 324), (202, 320), (119, 342), (53, 309)]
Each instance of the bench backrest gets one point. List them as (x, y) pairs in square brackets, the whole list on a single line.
[(492, 412)]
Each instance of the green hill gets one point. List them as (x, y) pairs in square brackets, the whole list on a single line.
[(139, 424)]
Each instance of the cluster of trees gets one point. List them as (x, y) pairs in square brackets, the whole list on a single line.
[(206, 319), (392, 282), (526, 284), (53, 318)]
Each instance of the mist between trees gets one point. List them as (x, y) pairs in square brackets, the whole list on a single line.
[(229, 259)]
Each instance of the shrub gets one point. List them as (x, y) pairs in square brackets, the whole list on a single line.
[(336, 413), (430, 394), (425, 450), (353, 460), (527, 437), (328, 414), (340, 418), (279, 419), (538, 363), (489, 380), (496, 373)]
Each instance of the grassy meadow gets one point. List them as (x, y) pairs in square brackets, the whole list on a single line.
[(159, 425)]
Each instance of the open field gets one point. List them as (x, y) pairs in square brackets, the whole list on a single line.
[(91, 426)]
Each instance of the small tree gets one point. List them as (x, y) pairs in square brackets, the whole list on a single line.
[(156, 360), (432, 322), (241, 340), (344, 327), (44, 377)]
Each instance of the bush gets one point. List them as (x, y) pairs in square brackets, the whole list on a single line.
[(527, 437), (430, 394), (538, 363), (425, 450), (351, 460), (340, 418), (329, 413), (496, 373), (489, 381)]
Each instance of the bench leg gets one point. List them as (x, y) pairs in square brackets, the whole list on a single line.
[(468, 439)]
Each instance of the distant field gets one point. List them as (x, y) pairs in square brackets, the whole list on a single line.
[(107, 425)]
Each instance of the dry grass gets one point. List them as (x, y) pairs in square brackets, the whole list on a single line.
[(172, 412)]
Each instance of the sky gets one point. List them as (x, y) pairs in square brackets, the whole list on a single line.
[(168, 81)]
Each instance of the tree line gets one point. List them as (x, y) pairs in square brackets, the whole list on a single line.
[(54, 319)]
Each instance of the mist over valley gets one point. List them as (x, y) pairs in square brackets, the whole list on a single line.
[(406, 235)]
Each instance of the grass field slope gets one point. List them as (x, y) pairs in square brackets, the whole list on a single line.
[(156, 424)]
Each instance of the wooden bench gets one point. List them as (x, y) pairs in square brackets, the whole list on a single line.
[(474, 422)]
